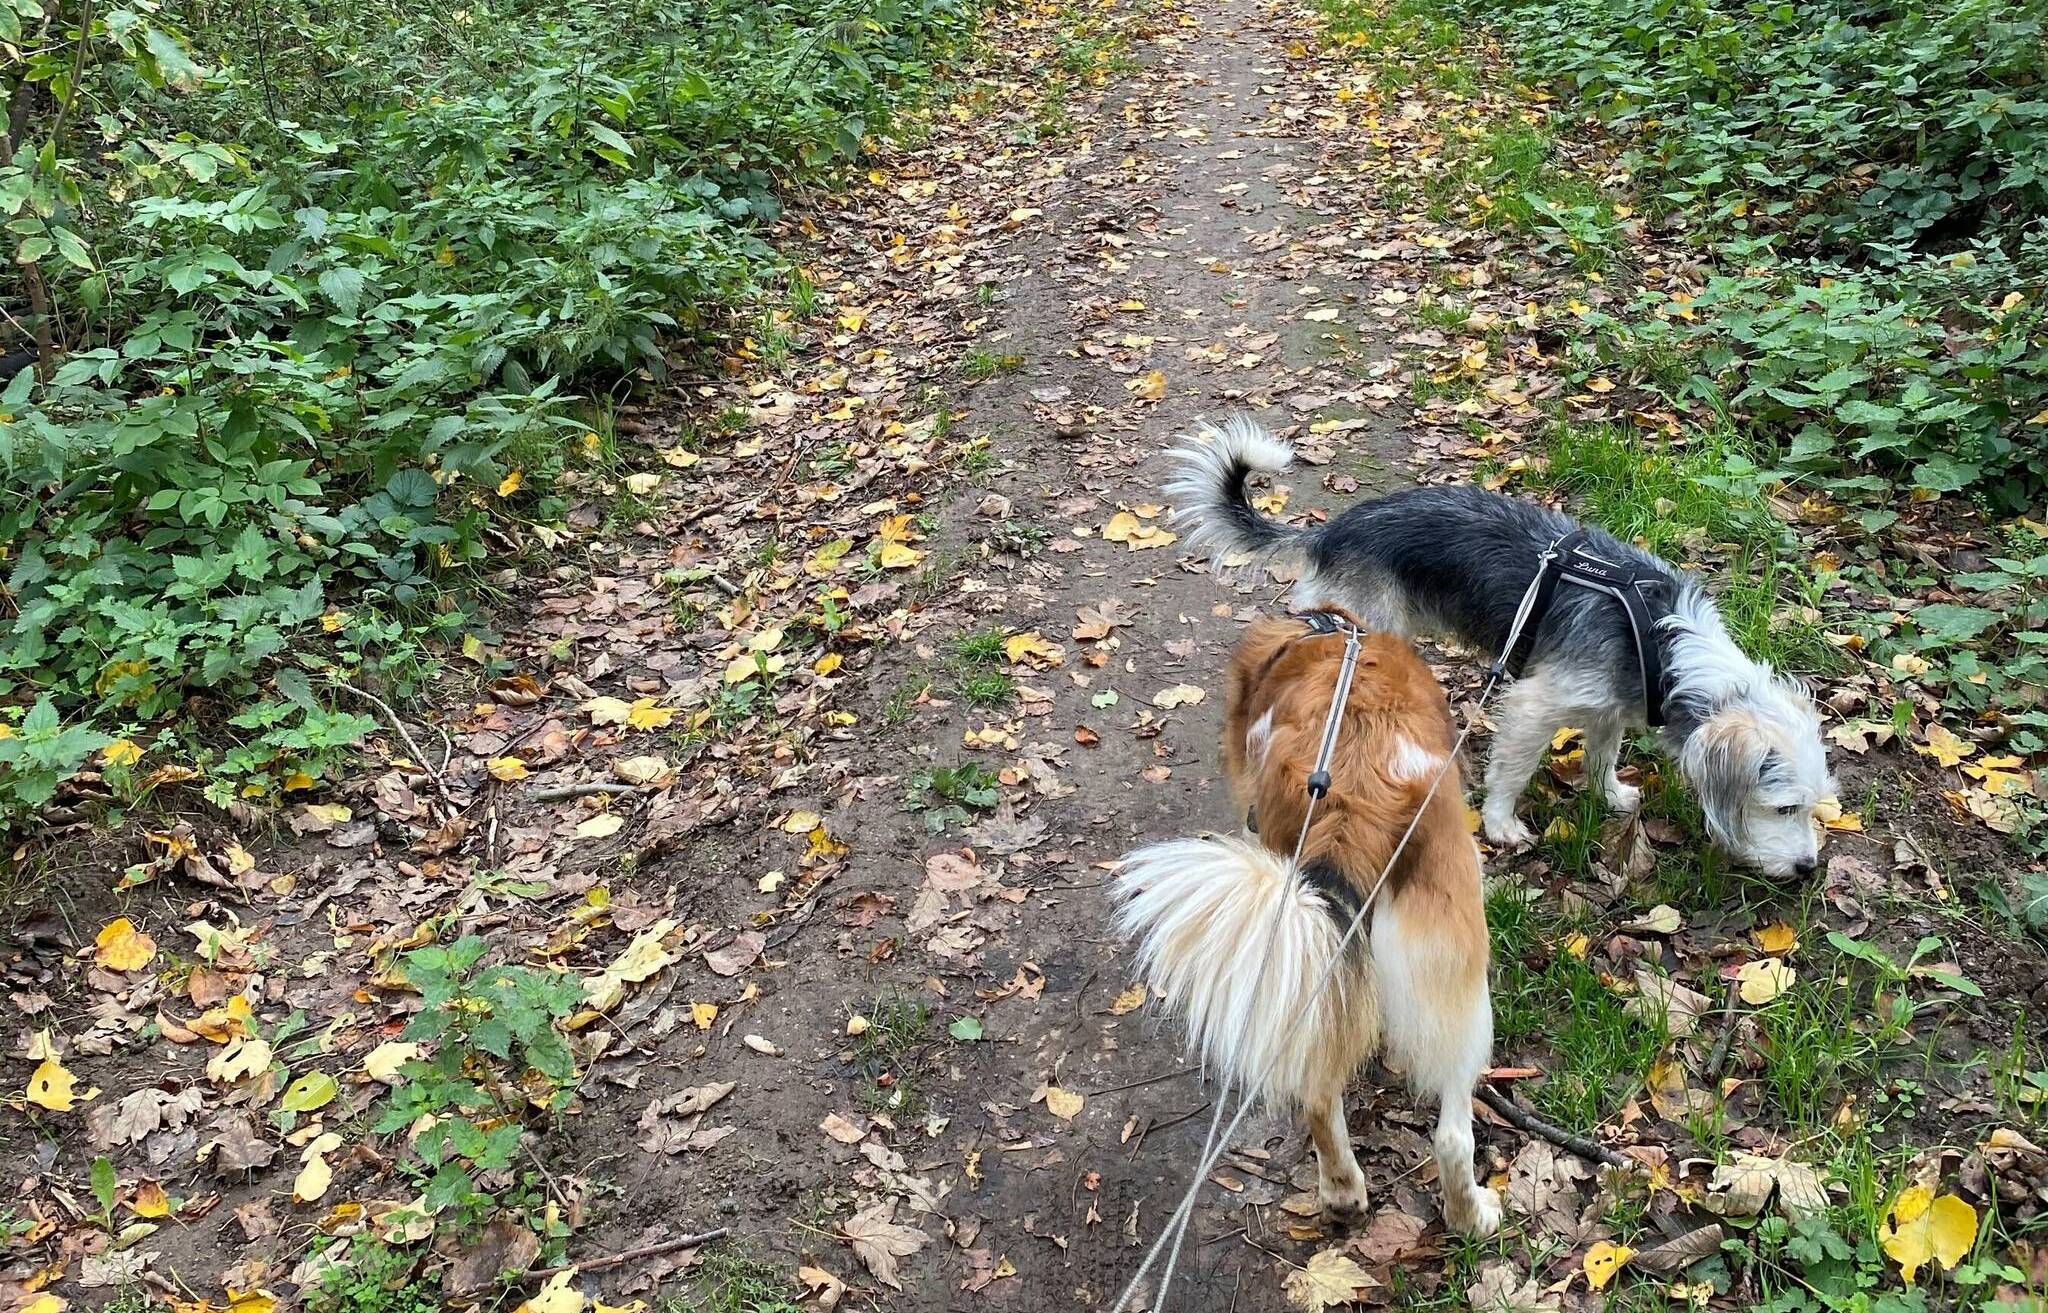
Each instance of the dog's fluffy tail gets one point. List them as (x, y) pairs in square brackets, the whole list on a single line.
[(1237, 941), (1208, 490)]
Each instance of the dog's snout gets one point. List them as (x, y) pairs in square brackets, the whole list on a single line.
[(1804, 866)]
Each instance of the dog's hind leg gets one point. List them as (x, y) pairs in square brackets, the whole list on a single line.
[(1527, 719), (1340, 1181), (1469, 1207), (1603, 752)]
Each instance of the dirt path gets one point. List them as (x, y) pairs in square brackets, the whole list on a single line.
[(1190, 241), (887, 727)]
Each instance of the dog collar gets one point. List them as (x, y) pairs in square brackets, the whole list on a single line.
[(1571, 558)]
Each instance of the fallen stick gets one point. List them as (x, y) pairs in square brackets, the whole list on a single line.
[(628, 1256), (1513, 1114), (1718, 1058), (587, 789), (411, 745), (1134, 1084)]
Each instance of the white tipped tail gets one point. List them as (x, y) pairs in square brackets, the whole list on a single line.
[(1236, 940), (1208, 489)]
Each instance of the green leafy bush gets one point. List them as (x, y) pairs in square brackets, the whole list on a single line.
[(1869, 182), (306, 285)]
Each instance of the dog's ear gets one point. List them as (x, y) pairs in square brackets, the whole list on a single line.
[(1724, 759)]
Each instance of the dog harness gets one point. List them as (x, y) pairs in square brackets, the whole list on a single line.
[(1571, 559)]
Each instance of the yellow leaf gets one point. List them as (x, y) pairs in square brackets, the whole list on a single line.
[(46, 1304), (52, 1087), (1564, 736), (1151, 387), (510, 483), (1777, 939), (121, 947), (1064, 1104), (1945, 747), (557, 1296), (150, 1200), (1603, 1260), (382, 1063), (120, 753), (703, 1014), (827, 664), (640, 485), (895, 556), (315, 1175), (649, 714), (1764, 979), (1330, 1278), (851, 320), (608, 710), (1908, 664), (1128, 1001), (1180, 695), (1126, 528), (601, 826), (1031, 646), (240, 1060), (801, 822), (507, 769), (1923, 1227)]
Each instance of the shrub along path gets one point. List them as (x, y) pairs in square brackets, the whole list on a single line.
[(760, 885)]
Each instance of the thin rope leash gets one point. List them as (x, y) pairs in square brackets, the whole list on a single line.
[(1212, 1150)]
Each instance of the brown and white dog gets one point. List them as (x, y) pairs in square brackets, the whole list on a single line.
[(1411, 987)]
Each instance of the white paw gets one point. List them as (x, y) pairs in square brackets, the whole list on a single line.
[(1624, 798), (1345, 1201), (1478, 1215), (1507, 831)]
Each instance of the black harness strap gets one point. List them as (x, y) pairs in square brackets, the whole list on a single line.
[(1572, 560)]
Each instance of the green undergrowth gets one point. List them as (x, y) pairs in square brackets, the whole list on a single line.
[(326, 300), (1820, 231), (1848, 1067)]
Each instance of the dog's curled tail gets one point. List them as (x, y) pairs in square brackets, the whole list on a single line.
[(1238, 941), (1208, 489)]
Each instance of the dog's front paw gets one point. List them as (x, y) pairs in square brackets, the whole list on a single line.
[(1476, 1213), (1623, 798), (1345, 1202), (1507, 831)]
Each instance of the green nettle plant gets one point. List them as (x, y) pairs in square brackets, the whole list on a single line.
[(495, 1050), (299, 288), (1870, 181)]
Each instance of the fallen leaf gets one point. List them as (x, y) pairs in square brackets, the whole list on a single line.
[(1064, 1104), (1777, 939), (121, 947), (1602, 1261), (1180, 695), (506, 769), (1922, 1227), (52, 1087), (1663, 919), (1945, 747), (601, 826), (736, 956), (879, 1240), (842, 1130), (1331, 1277), (559, 1295), (316, 1174), (1764, 979), (1129, 1001), (382, 1063)]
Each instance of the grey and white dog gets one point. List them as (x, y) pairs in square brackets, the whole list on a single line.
[(1457, 560)]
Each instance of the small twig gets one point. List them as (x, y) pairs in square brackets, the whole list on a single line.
[(1718, 1058), (411, 745), (1134, 1084), (1513, 1114), (628, 1256), (587, 789)]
